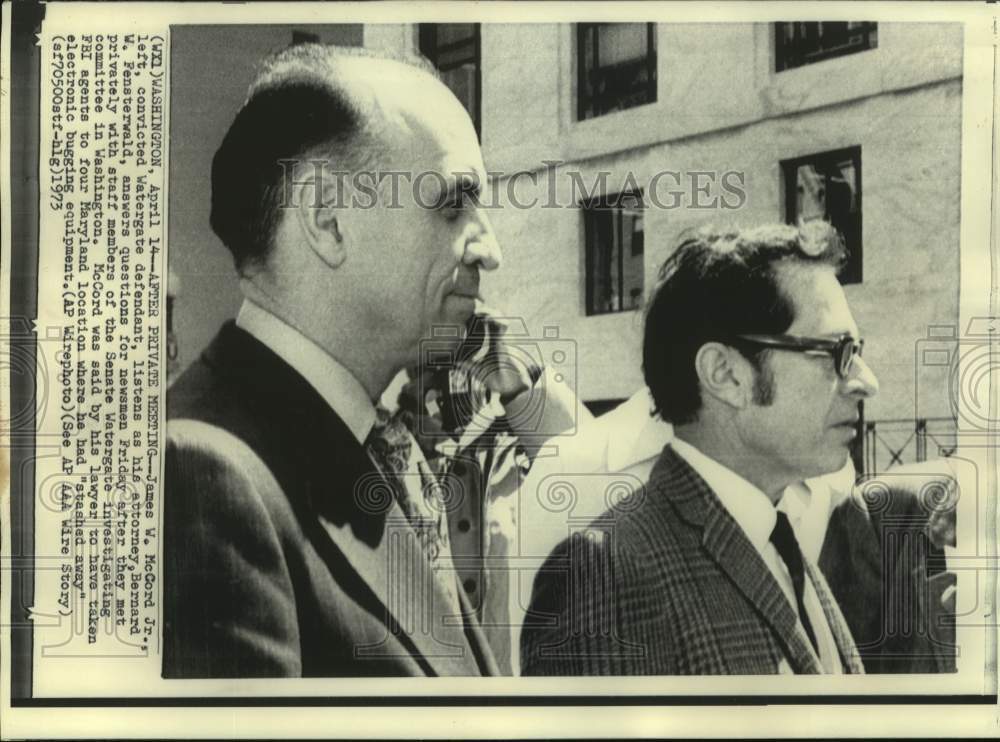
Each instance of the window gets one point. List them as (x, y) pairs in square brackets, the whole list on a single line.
[(828, 186), (616, 67), (798, 44), (613, 238), (304, 37), (454, 49)]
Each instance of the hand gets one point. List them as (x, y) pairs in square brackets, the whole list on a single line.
[(948, 599), (420, 398), (502, 369), (941, 522)]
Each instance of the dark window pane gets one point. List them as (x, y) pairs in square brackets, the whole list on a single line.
[(616, 64), (450, 33), (798, 44), (632, 262), (304, 37), (637, 237), (454, 49), (456, 56), (828, 186), (602, 245), (618, 43), (463, 83), (614, 253)]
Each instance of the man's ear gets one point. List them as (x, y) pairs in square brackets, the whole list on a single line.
[(320, 222), (724, 374)]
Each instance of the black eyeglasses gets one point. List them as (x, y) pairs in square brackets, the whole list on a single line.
[(843, 350)]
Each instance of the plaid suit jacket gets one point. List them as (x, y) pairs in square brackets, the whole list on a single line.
[(667, 583)]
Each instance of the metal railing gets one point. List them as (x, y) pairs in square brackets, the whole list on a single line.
[(889, 443)]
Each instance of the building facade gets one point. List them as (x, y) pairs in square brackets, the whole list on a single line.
[(727, 124)]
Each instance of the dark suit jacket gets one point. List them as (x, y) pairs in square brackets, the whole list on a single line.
[(886, 571), (285, 553), (669, 585)]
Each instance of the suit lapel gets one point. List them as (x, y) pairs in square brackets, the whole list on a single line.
[(849, 657), (727, 544), (484, 658), (330, 480), (417, 607)]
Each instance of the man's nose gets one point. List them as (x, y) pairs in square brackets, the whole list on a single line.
[(862, 380), (482, 248)]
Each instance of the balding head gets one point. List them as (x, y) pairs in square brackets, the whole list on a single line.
[(322, 63), (321, 245), (307, 102)]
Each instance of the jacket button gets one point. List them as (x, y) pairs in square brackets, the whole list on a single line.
[(470, 586)]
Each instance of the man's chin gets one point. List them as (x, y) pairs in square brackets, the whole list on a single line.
[(832, 463)]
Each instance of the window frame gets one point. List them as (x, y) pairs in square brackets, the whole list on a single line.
[(790, 55), (853, 271), (585, 102), (427, 43), (592, 209)]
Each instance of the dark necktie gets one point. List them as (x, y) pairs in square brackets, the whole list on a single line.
[(784, 541)]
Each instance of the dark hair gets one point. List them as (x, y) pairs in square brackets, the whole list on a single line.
[(297, 108), (715, 285)]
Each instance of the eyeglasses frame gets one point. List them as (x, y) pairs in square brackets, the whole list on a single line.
[(842, 350)]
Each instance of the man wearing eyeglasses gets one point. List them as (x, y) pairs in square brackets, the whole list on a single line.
[(752, 353)]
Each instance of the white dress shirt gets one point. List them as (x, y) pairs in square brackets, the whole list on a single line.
[(338, 386), (755, 514), (810, 504)]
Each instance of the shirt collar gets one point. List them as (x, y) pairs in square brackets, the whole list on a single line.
[(634, 435), (796, 500), (749, 506), (339, 387)]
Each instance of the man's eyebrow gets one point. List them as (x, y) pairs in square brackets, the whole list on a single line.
[(466, 184)]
